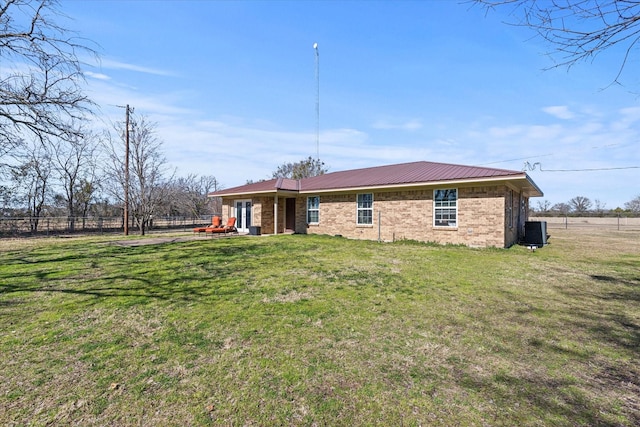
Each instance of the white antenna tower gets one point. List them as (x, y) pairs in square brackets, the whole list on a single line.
[(315, 47)]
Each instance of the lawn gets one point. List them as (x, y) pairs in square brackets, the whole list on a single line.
[(319, 330)]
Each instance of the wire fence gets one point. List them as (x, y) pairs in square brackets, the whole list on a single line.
[(29, 226), (611, 223)]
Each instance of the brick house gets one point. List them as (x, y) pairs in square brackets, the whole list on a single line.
[(424, 201)]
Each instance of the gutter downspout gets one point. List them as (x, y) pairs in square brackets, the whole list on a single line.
[(275, 214)]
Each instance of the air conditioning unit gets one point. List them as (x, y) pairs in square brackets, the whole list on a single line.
[(535, 233)]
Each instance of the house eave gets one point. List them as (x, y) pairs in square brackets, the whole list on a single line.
[(453, 182), (537, 192), (256, 193), (521, 181), (241, 193)]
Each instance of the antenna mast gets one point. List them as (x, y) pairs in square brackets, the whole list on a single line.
[(315, 47)]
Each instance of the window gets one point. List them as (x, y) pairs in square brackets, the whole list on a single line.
[(313, 210), (365, 209), (510, 209), (445, 208)]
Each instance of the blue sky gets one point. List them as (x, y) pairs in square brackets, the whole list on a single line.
[(232, 88)]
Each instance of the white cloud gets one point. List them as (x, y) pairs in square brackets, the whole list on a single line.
[(410, 125), (628, 116), (98, 76), (235, 149), (546, 133), (504, 132), (235, 153), (112, 64), (599, 140), (559, 111)]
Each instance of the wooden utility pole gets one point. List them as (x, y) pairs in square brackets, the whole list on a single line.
[(126, 173)]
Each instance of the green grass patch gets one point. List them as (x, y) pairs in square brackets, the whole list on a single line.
[(318, 330)]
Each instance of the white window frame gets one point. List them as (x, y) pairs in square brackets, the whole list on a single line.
[(442, 205), (314, 209), (363, 209)]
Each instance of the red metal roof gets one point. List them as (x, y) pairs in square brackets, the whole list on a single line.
[(380, 176), (399, 174), (269, 186)]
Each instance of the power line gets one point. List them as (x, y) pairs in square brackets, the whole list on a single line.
[(513, 160), (596, 147), (532, 167)]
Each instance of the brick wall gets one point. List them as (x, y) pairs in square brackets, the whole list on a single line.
[(301, 214), (483, 214), (408, 214), (263, 213), (227, 210), (264, 205)]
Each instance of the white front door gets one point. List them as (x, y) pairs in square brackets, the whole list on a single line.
[(242, 212)]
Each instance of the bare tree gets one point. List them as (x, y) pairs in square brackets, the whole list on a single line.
[(579, 29), (543, 206), (32, 181), (562, 208), (580, 204), (114, 167), (303, 169), (75, 164), (599, 207), (149, 185), (40, 83), (86, 190), (6, 197), (633, 205), (191, 196)]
